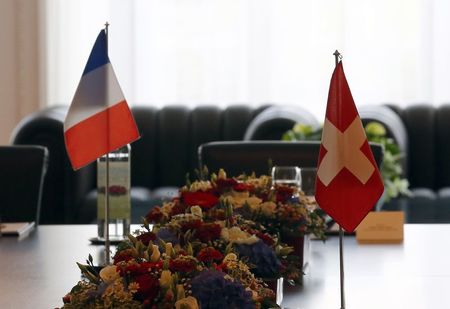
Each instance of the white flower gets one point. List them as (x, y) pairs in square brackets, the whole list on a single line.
[(109, 273), (238, 236)]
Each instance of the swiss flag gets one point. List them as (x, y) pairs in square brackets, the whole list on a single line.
[(348, 181)]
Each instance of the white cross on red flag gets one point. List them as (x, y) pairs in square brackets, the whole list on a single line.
[(348, 182)]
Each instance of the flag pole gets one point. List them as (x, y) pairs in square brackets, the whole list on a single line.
[(106, 226), (337, 57)]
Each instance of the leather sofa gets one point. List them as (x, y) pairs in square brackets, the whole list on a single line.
[(170, 137), (422, 132), (160, 159)]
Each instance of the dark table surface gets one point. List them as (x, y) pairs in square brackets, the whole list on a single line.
[(37, 271)]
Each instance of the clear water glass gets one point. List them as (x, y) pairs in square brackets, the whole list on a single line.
[(287, 175)]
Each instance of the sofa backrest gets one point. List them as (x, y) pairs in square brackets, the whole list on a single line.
[(171, 135), (428, 130), (166, 151)]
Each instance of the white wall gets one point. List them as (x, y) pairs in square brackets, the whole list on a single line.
[(20, 41)]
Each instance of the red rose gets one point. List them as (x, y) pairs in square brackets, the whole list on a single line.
[(266, 239), (182, 265), (221, 267), (146, 238), (155, 215), (209, 254), (283, 194), (124, 255), (223, 184), (143, 268), (148, 287), (241, 187), (66, 299), (208, 231), (203, 199), (178, 208), (193, 225)]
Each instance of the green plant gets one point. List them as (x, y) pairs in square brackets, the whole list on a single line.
[(391, 170)]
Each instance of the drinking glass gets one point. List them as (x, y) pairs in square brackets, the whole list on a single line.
[(287, 176)]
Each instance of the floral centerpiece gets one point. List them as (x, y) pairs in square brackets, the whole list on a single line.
[(220, 236)]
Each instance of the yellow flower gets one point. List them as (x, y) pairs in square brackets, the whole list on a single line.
[(187, 303), (109, 273), (268, 208), (166, 278), (200, 186), (236, 235), (197, 211), (230, 257), (155, 254), (166, 208), (169, 248), (238, 199), (180, 292), (222, 174)]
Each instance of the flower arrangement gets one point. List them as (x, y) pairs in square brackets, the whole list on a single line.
[(220, 236), (391, 170)]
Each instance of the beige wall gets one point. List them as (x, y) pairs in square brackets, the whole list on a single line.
[(20, 65)]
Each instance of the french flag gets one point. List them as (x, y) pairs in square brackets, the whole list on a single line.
[(99, 119)]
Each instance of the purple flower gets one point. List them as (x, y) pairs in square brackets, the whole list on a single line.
[(167, 235), (263, 257), (213, 291)]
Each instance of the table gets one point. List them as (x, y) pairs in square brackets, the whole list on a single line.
[(37, 271)]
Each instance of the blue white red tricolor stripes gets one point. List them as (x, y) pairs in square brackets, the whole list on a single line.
[(99, 119)]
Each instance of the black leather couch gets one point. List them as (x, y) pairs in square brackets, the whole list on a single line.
[(171, 135), (160, 160), (421, 131)]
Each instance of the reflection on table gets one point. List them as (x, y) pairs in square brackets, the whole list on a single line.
[(38, 270)]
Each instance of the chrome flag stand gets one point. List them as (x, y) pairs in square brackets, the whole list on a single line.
[(345, 148), (98, 122), (341, 265), (337, 57), (107, 243)]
